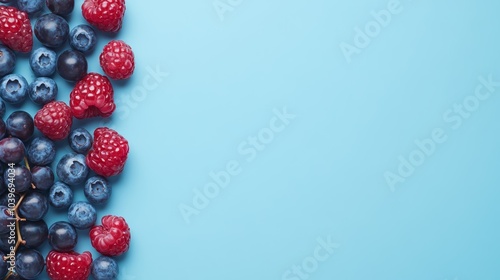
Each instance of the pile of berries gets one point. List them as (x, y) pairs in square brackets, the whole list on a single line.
[(28, 184)]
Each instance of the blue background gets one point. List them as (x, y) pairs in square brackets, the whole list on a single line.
[(324, 174)]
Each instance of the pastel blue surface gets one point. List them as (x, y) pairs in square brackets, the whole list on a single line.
[(357, 107)]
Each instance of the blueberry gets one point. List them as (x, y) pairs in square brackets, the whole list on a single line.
[(4, 243), (2, 109), (11, 150), (104, 268), (13, 88), (83, 38), (34, 233), (51, 30), (7, 60), (80, 140), (72, 169), (72, 65), (19, 176), (41, 151), (3, 265), (63, 236), (34, 206), (42, 177), (97, 190), (3, 129), (10, 202), (61, 7), (20, 124), (30, 6), (5, 219), (43, 90), (43, 62), (82, 215), (60, 196), (29, 263)]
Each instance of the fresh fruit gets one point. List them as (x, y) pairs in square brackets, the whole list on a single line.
[(11, 150), (16, 30), (13, 88), (92, 97), (3, 129), (106, 15), (43, 90), (97, 190), (109, 152), (82, 215), (62, 236), (7, 61), (104, 268), (34, 206), (68, 266), (41, 151), (34, 233), (5, 219), (112, 238), (51, 30), (61, 7), (43, 62), (83, 38), (72, 169), (42, 177), (3, 265), (19, 176), (30, 6), (2, 109), (117, 60), (29, 264), (72, 65), (20, 124), (80, 140), (60, 195), (54, 120)]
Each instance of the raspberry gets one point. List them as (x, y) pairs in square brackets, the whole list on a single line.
[(109, 152), (16, 32), (92, 97), (117, 60), (54, 120), (64, 266), (112, 238), (106, 15)]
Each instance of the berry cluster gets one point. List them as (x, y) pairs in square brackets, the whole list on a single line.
[(31, 181)]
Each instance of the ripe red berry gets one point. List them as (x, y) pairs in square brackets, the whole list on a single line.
[(109, 152), (117, 60), (92, 97), (112, 238), (15, 32), (106, 15), (54, 120), (64, 266)]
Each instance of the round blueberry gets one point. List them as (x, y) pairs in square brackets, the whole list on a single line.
[(72, 65), (34, 233), (2, 109), (43, 62), (41, 151), (19, 176), (29, 264), (34, 206), (72, 169), (5, 219), (3, 129), (7, 60), (43, 90), (30, 6), (51, 30), (11, 150), (83, 38), (61, 7), (104, 268), (42, 177), (13, 88), (82, 215), (80, 140), (97, 190), (63, 236), (20, 124), (60, 196)]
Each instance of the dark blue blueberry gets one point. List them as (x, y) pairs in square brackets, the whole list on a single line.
[(80, 140), (11, 150), (30, 6), (19, 176), (72, 169), (41, 151), (61, 7), (60, 196), (43, 90), (34, 233), (14, 88), (83, 38), (51, 30), (63, 236), (3, 129), (82, 215), (3, 266), (42, 177), (20, 124), (6, 220), (4, 242), (7, 60), (72, 65), (29, 263), (9, 200), (97, 190), (34, 206), (104, 268), (43, 62), (2, 109)]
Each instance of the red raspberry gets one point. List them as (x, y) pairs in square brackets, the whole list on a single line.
[(106, 15), (117, 60), (92, 97), (64, 266), (54, 120), (109, 152), (112, 238), (16, 32)]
